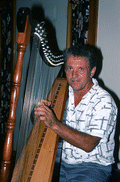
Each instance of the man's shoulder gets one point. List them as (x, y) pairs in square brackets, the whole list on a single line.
[(100, 91), (101, 94)]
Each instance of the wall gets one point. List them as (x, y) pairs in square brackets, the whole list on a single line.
[(108, 39)]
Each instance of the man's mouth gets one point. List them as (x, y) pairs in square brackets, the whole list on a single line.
[(75, 80)]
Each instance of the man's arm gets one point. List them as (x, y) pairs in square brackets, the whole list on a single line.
[(81, 140)]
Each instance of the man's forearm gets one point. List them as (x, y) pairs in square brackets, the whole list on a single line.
[(79, 139)]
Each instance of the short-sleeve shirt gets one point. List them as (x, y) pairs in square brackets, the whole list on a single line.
[(94, 115)]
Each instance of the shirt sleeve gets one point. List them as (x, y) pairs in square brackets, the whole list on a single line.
[(101, 119)]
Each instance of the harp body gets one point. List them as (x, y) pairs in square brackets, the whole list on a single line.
[(36, 162)]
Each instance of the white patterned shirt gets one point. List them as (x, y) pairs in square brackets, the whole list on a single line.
[(95, 115)]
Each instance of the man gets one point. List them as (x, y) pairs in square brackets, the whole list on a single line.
[(89, 122)]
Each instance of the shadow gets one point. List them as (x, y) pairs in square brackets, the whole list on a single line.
[(117, 133), (99, 62), (38, 16), (116, 99), (115, 175)]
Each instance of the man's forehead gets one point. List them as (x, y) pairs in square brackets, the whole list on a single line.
[(78, 59)]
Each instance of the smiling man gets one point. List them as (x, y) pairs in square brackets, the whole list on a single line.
[(89, 122)]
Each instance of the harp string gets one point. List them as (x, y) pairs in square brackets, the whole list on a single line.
[(40, 79)]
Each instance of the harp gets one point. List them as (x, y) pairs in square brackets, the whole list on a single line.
[(45, 140), (39, 129)]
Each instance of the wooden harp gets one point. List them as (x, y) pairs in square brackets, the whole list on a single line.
[(38, 156), (45, 140)]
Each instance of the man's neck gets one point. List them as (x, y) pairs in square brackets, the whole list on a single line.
[(78, 94)]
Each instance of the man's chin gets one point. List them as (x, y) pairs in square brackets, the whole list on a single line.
[(77, 89)]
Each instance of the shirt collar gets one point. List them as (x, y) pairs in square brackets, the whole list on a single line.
[(88, 95)]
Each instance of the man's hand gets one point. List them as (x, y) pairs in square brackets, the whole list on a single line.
[(43, 102), (44, 112)]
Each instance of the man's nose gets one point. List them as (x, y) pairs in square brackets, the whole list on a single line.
[(74, 74)]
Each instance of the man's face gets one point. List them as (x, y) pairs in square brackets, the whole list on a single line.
[(78, 73)]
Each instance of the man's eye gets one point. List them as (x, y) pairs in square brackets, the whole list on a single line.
[(81, 69), (69, 68)]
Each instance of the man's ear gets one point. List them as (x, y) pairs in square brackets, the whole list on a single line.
[(93, 71)]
